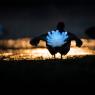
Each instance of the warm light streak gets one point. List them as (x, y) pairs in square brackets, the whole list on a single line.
[(26, 51)]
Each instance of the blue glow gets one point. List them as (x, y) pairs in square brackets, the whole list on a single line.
[(56, 39)]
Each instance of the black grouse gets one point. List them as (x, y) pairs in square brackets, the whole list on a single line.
[(57, 40)]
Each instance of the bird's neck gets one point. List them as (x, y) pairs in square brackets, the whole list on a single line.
[(61, 30)]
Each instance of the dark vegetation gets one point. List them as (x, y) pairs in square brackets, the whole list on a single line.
[(47, 73)]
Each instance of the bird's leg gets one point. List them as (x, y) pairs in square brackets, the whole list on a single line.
[(52, 56), (61, 56)]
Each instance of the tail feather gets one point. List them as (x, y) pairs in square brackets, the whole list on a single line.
[(56, 39)]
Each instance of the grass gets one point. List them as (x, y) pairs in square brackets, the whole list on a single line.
[(88, 59)]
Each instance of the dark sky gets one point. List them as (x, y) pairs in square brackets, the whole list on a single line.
[(31, 18)]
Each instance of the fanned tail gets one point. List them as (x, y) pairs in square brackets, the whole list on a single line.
[(56, 39)]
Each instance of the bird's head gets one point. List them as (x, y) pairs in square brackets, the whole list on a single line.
[(60, 26)]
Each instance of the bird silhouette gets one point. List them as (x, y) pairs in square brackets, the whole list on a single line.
[(57, 40)]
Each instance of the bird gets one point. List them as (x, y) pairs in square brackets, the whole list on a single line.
[(57, 40)]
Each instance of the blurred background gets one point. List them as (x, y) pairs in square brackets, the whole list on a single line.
[(30, 18), (22, 20)]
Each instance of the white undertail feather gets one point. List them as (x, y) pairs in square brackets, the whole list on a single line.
[(56, 39)]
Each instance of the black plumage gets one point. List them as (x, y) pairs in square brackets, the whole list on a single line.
[(63, 49)]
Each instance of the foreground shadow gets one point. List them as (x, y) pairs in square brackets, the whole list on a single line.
[(47, 73)]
